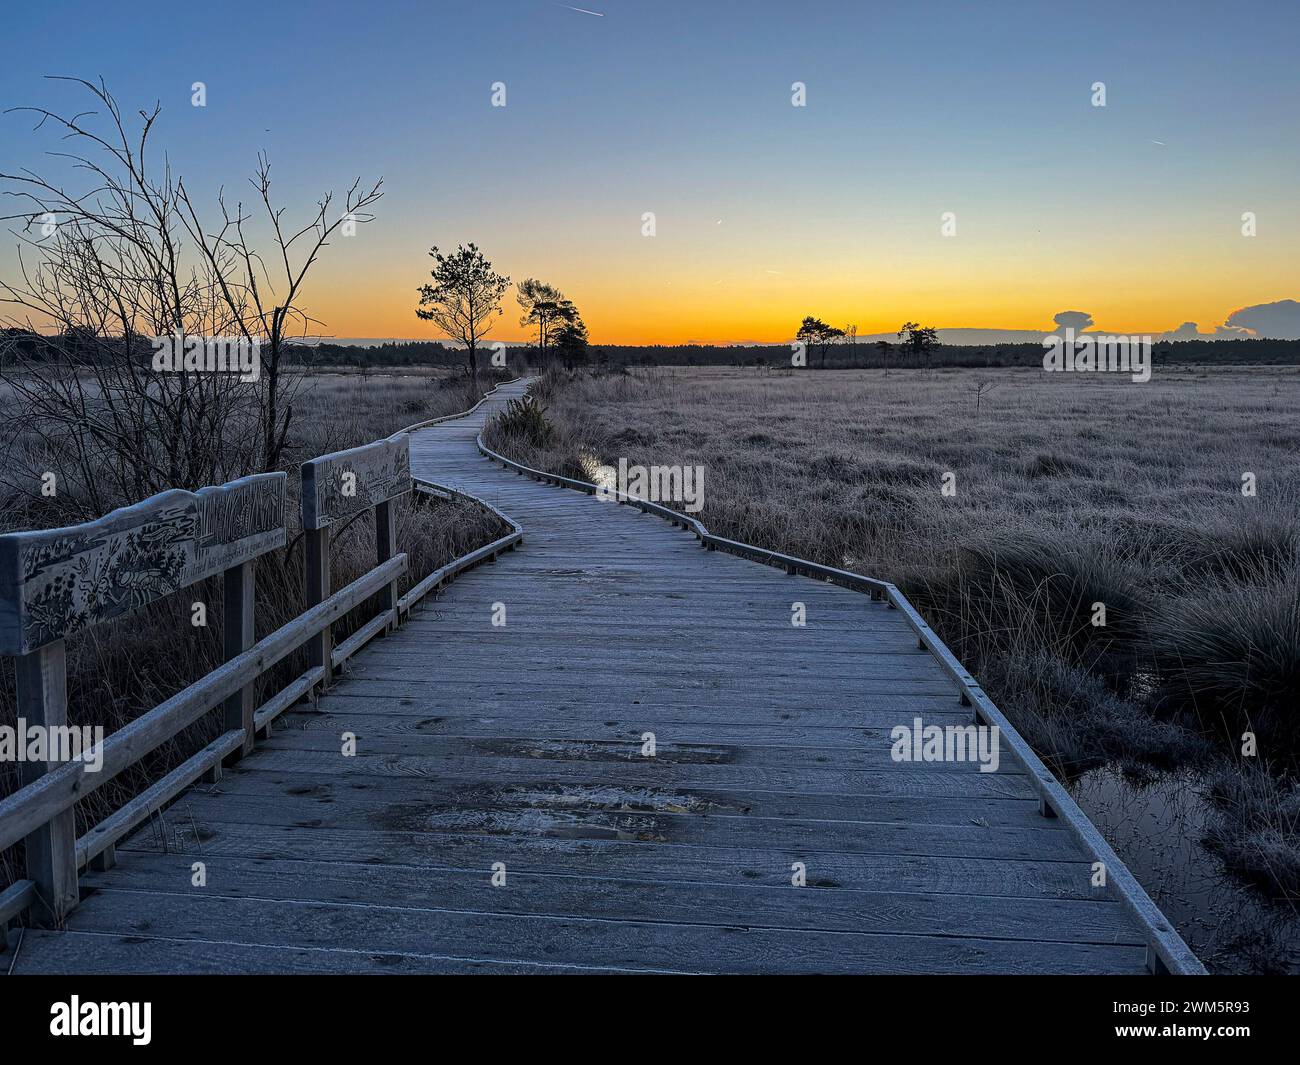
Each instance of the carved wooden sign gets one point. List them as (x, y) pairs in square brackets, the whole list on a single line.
[(337, 486), (56, 582)]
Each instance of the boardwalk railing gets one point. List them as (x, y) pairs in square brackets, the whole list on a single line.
[(57, 583), (1166, 951)]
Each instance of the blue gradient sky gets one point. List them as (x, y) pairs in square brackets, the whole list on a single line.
[(765, 212)]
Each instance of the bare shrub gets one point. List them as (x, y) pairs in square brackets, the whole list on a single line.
[(131, 258), (525, 419)]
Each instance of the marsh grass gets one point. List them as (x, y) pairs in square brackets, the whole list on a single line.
[(118, 671), (1229, 653), (1257, 827)]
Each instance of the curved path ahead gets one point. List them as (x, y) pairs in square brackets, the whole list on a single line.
[(519, 748)]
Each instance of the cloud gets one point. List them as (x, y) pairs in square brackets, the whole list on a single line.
[(1080, 320), (1191, 331), (1278, 321)]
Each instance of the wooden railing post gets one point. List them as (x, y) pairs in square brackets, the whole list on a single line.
[(240, 593), (336, 488), (52, 848), (318, 590), (386, 548)]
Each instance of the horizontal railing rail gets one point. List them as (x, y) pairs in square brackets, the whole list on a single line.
[(174, 540), (1166, 951)]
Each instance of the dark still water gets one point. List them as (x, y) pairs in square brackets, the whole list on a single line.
[(1156, 829)]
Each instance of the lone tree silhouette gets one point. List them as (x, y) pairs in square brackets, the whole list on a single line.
[(569, 341), (815, 333), (463, 299), (918, 339), (547, 308)]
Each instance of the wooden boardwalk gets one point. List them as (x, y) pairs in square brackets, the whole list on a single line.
[(522, 745)]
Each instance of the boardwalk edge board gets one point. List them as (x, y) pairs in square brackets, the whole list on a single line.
[(1167, 953)]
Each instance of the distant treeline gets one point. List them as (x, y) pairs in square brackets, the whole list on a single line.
[(839, 356), (391, 353), (863, 354), (16, 343), (875, 354), (22, 344)]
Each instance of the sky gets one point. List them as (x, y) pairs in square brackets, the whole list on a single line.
[(764, 212)]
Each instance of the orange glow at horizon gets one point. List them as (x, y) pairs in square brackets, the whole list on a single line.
[(627, 306)]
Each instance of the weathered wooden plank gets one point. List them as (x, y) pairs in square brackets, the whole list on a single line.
[(675, 728), (471, 685), (629, 662), (76, 953), (685, 827), (355, 697), (408, 832), (805, 681), (671, 753), (339, 799), (56, 582), (943, 874), (407, 756), (378, 770), (604, 898), (737, 948), (456, 622), (518, 651), (339, 485)]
